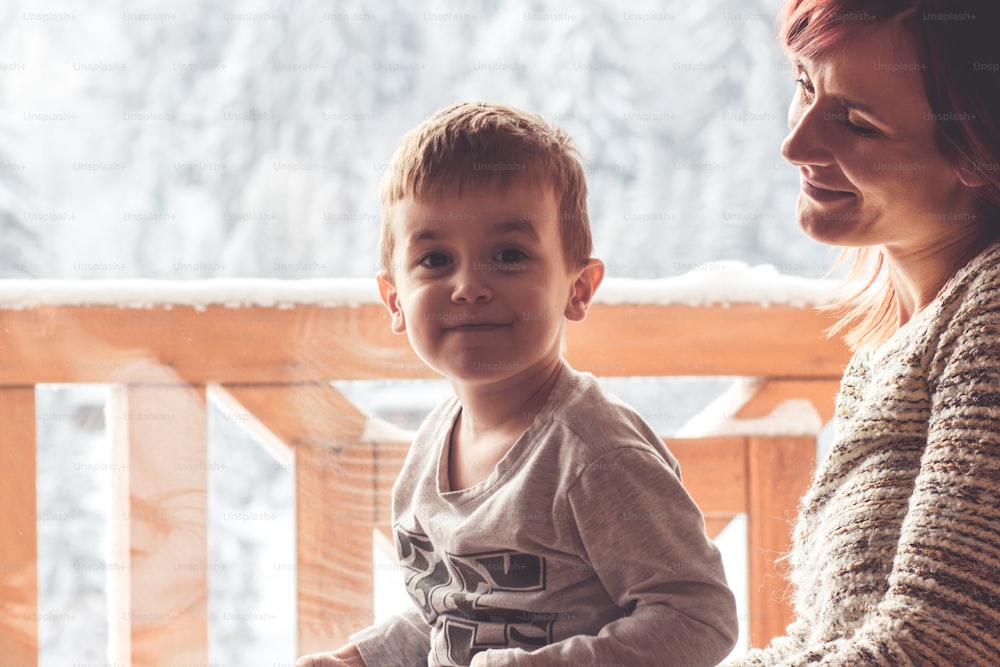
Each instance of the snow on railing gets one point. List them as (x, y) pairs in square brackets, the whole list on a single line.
[(711, 283), (269, 350)]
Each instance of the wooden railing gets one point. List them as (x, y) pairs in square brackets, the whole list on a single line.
[(273, 365)]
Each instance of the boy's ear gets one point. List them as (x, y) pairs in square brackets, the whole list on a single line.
[(584, 288), (390, 297)]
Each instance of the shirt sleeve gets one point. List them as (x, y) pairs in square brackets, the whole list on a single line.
[(942, 606), (645, 538), (402, 640)]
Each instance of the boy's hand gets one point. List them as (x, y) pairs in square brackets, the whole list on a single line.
[(345, 656)]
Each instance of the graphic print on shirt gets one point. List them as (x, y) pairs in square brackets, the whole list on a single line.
[(457, 582)]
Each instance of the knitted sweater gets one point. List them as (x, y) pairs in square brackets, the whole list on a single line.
[(896, 552)]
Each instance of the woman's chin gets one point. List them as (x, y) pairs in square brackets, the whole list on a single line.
[(827, 227)]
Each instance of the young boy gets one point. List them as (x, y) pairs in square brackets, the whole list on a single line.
[(538, 520)]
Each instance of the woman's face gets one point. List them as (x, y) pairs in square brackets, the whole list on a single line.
[(862, 135)]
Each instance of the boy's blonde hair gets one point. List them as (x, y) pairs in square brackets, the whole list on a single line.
[(480, 144)]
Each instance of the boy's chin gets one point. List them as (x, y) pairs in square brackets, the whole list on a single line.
[(484, 371)]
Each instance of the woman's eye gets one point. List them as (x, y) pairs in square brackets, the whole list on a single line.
[(433, 260), (860, 130), (808, 91), (511, 256), (806, 87)]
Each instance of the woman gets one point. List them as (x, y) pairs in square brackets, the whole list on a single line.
[(894, 128)]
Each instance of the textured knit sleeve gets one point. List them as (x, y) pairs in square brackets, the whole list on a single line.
[(401, 641), (775, 653), (942, 606), (645, 538)]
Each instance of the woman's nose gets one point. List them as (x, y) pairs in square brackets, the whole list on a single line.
[(806, 143)]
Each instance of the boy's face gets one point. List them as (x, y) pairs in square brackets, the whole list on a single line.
[(479, 282)]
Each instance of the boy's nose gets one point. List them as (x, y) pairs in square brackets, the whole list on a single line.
[(471, 286)]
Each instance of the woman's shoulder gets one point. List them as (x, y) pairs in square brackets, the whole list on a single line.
[(965, 312), (985, 263), (967, 320), (974, 292)]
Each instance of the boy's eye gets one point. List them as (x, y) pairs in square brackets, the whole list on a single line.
[(433, 260), (510, 256)]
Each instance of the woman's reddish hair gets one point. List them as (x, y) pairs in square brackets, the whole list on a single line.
[(957, 40)]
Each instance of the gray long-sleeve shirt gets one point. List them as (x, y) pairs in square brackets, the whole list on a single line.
[(581, 548)]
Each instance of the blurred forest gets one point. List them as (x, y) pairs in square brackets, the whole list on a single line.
[(215, 138)]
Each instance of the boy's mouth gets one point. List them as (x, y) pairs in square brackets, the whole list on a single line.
[(478, 326)]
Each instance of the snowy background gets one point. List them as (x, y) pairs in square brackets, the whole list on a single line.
[(218, 138), (211, 138)]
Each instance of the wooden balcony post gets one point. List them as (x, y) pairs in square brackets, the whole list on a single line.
[(158, 602), (335, 505), (778, 457), (389, 458), (779, 472), (714, 472), (18, 528)]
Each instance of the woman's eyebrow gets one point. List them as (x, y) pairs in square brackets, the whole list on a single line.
[(851, 105)]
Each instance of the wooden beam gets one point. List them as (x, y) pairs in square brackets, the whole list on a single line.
[(780, 471), (159, 601), (312, 343), (822, 393), (18, 528), (739, 339), (215, 344)]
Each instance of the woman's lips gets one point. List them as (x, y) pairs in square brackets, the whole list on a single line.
[(819, 193)]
